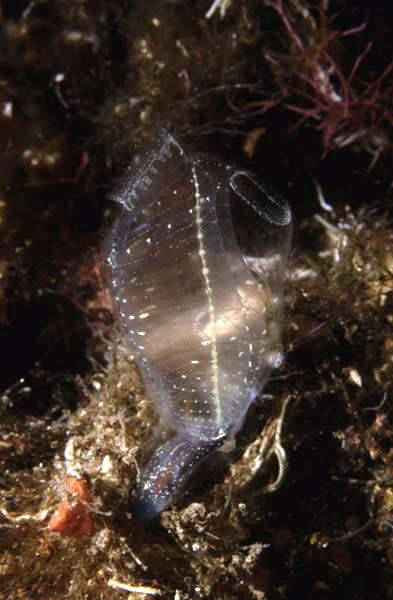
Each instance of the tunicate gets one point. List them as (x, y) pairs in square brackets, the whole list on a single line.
[(197, 259)]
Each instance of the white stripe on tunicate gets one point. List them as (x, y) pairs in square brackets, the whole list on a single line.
[(209, 295)]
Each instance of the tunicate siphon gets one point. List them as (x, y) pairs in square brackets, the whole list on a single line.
[(197, 258)]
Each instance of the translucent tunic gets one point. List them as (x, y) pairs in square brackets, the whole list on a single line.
[(197, 259)]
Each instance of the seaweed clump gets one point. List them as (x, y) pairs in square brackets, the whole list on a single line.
[(342, 98)]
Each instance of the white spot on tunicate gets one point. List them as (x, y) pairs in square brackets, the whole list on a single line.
[(128, 251), (124, 300), (194, 362), (144, 315), (205, 342), (169, 225), (131, 317), (148, 241), (141, 347), (141, 332), (150, 289)]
